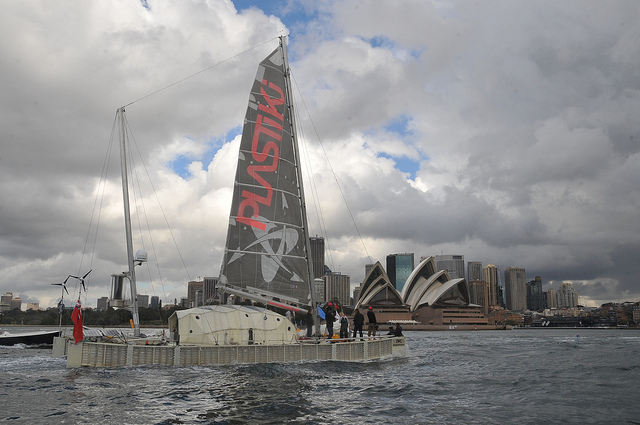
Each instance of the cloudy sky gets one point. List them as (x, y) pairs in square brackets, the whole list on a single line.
[(507, 132)]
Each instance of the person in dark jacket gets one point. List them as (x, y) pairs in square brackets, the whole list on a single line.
[(309, 322), (358, 322), (373, 323), (398, 330), (330, 317)]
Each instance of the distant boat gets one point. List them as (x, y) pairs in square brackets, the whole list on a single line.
[(29, 338), (266, 259)]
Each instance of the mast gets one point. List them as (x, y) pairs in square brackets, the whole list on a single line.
[(131, 274), (294, 135)]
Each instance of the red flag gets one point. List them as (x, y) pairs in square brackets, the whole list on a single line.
[(76, 316)]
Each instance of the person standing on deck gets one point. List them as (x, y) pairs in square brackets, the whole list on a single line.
[(330, 317), (309, 322), (358, 322), (344, 326), (373, 324)]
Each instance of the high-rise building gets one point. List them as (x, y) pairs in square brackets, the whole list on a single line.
[(552, 299), (155, 301), (356, 294), (474, 271), (399, 268), (338, 287), (453, 264), (16, 303), (479, 294), (490, 275), (534, 294), (317, 256), (515, 287), (210, 284), (319, 290), (8, 302), (367, 268), (567, 296), (102, 304), (192, 288), (143, 301)]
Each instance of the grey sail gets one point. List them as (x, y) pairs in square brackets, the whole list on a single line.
[(266, 241)]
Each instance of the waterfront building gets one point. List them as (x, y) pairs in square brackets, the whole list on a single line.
[(356, 294), (567, 296), (515, 286), (534, 294), (429, 296), (317, 256), (490, 275), (453, 264), (474, 271), (399, 267), (143, 301), (33, 306), (337, 287)]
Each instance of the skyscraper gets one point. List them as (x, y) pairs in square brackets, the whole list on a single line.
[(490, 275), (453, 264), (192, 288), (338, 287), (552, 299), (567, 296), (399, 267), (515, 286), (479, 294), (317, 256), (209, 288), (474, 271), (534, 294)]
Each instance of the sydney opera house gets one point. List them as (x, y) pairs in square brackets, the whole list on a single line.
[(428, 298)]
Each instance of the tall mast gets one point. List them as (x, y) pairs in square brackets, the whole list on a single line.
[(296, 152), (131, 274)]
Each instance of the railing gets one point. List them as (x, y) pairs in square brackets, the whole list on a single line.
[(109, 355)]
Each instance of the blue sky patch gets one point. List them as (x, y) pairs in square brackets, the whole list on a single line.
[(399, 125)]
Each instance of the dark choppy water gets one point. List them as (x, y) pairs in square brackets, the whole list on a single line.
[(488, 377)]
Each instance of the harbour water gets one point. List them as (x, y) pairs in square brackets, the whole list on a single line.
[(524, 376)]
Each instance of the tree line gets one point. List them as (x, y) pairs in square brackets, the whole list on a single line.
[(90, 317)]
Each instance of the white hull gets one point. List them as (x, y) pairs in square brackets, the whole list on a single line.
[(96, 354)]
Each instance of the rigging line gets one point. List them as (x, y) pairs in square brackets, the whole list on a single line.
[(314, 191), (332, 171), (99, 196), (137, 180), (144, 166), (200, 72)]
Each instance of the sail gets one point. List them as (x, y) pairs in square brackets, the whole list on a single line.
[(266, 241)]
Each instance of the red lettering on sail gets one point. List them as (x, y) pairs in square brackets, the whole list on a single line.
[(264, 145)]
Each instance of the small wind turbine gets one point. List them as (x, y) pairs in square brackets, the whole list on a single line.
[(81, 279), (64, 286)]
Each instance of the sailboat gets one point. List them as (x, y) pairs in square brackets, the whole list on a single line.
[(266, 258)]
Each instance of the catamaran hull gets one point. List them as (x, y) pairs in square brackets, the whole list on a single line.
[(95, 354), (29, 338)]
